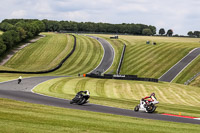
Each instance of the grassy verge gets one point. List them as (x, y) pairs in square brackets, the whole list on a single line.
[(85, 58), (33, 118), (173, 98), (46, 53), (153, 60), (196, 82), (188, 72)]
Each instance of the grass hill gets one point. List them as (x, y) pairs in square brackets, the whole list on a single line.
[(87, 56), (47, 53), (174, 98), (142, 59), (148, 60), (18, 116)]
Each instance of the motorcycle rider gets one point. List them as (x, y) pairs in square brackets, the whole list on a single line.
[(150, 98), (85, 94)]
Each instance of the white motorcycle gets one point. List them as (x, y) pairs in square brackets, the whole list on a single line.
[(147, 106)]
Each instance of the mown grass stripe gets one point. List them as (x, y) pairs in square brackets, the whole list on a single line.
[(86, 57)]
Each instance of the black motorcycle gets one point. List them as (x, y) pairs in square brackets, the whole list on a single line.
[(80, 99)]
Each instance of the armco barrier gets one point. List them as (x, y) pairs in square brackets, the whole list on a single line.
[(45, 71), (121, 59), (122, 77)]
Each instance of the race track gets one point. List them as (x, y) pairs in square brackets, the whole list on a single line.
[(22, 92), (108, 57), (171, 74)]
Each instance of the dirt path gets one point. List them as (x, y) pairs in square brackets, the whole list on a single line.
[(15, 50)]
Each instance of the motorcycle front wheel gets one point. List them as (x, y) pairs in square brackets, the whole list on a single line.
[(151, 108)]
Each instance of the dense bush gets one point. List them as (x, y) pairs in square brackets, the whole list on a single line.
[(2, 46), (18, 30)]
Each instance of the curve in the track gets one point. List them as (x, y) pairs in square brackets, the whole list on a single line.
[(171, 74), (22, 92), (108, 57)]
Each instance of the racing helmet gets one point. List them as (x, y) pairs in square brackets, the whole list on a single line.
[(87, 92), (153, 94)]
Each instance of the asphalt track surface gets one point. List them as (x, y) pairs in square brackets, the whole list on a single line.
[(108, 57), (171, 74), (22, 92)]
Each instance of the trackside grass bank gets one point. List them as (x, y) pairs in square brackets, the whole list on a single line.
[(196, 82), (86, 57), (189, 72), (173, 98), (44, 54), (147, 60), (20, 117)]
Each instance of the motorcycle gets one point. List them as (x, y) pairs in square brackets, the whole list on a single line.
[(80, 99), (147, 106)]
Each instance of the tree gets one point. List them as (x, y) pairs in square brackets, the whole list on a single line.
[(170, 32), (2, 46), (5, 26), (162, 31), (147, 32), (190, 33), (197, 33), (153, 29), (8, 39)]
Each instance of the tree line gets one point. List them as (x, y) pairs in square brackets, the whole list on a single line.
[(17, 31), (71, 26), (194, 34)]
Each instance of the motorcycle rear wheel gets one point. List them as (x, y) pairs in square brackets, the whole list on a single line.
[(136, 109)]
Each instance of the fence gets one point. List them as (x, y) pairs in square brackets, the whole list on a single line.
[(121, 59), (122, 77), (190, 80)]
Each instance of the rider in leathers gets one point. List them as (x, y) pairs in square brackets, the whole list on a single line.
[(85, 94), (150, 98)]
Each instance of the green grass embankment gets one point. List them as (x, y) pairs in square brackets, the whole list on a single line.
[(189, 72), (38, 55), (196, 82), (173, 98), (86, 57), (20, 117), (153, 60), (45, 54)]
